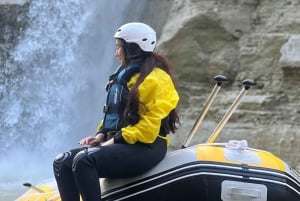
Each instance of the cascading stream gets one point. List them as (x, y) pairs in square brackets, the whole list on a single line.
[(53, 85)]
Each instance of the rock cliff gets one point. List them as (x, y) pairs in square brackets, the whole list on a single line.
[(256, 39)]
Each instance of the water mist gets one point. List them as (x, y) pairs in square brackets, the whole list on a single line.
[(54, 85)]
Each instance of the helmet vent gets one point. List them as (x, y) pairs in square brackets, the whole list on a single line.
[(152, 42), (119, 30), (144, 39)]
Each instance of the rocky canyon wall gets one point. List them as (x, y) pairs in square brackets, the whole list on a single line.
[(255, 39)]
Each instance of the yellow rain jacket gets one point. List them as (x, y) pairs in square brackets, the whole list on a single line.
[(158, 97)]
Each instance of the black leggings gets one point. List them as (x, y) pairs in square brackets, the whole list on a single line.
[(78, 171)]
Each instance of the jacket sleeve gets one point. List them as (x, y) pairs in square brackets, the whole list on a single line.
[(99, 127), (157, 96)]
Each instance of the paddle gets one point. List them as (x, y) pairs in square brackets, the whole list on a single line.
[(219, 79), (29, 185), (247, 84)]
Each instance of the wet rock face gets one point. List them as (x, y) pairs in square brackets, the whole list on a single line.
[(12, 22), (13, 19), (240, 39)]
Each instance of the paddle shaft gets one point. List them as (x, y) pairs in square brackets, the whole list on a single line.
[(220, 126), (220, 79)]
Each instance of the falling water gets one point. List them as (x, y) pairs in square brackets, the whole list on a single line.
[(54, 85)]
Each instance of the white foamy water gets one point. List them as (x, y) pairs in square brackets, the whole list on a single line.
[(54, 86)]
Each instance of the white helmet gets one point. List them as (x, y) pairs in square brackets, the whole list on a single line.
[(141, 34)]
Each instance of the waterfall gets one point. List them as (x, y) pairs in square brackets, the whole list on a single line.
[(54, 84)]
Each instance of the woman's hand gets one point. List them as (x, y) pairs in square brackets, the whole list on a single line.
[(108, 142), (92, 140)]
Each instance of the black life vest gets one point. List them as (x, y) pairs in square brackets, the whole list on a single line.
[(117, 93)]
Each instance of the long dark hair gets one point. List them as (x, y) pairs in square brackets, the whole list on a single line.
[(149, 61)]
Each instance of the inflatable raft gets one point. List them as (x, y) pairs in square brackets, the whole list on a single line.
[(208, 172), (211, 172)]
